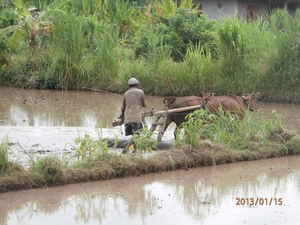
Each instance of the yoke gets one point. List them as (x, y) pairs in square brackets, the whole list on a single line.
[(159, 114)]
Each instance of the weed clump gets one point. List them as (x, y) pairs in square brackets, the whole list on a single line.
[(50, 169)]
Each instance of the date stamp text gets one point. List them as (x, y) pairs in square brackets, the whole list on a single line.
[(258, 201)]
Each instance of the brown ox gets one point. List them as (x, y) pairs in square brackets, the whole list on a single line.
[(180, 102), (232, 104)]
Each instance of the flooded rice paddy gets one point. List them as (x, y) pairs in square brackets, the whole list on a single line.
[(256, 192)]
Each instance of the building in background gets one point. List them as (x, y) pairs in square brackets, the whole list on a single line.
[(250, 10)]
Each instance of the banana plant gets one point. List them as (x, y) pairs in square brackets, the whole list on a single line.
[(121, 14), (169, 7), (28, 24)]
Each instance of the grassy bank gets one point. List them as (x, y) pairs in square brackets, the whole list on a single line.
[(174, 53), (223, 140), (116, 166)]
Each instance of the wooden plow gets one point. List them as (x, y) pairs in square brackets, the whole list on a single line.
[(158, 122)]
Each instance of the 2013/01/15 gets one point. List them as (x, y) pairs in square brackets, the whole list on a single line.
[(258, 201)]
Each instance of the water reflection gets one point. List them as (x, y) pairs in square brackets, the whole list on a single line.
[(199, 196), (23, 107)]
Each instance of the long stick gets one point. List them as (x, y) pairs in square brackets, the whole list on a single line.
[(118, 122), (92, 89), (155, 113)]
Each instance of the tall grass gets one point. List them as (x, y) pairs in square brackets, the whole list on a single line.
[(283, 61), (84, 50), (227, 130), (232, 43), (70, 64)]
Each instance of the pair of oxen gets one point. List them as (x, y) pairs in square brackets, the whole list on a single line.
[(233, 104)]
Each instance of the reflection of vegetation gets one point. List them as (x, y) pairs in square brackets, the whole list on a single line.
[(90, 206)]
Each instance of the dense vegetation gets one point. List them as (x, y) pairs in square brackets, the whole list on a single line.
[(172, 50)]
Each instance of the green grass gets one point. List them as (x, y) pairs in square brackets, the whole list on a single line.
[(228, 131), (3, 155)]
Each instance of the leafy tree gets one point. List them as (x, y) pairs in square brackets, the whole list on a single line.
[(177, 32)]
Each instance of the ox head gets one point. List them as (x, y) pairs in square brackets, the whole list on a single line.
[(168, 101), (206, 98), (209, 94), (251, 100)]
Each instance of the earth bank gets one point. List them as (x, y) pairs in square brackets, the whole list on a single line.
[(54, 172)]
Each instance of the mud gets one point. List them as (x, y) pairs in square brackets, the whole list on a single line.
[(207, 195)]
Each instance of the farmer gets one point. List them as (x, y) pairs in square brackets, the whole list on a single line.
[(131, 109)]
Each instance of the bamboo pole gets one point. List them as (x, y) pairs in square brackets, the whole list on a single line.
[(98, 90), (156, 113)]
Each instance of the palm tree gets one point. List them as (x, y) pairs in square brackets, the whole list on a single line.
[(29, 22)]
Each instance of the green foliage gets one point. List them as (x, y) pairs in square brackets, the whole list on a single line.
[(283, 70), (232, 49), (228, 130), (69, 62), (119, 14), (173, 51), (29, 25), (3, 155), (176, 33), (3, 55), (192, 132), (138, 3), (88, 149), (144, 140)]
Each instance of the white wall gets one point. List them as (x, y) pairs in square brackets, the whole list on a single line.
[(211, 9)]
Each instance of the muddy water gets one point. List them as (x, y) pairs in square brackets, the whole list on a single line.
[(199, 196), (205, 195), (47, 121), (22, 107)]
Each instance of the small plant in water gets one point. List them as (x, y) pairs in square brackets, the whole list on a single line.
[(144, 140), (88, 148)]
